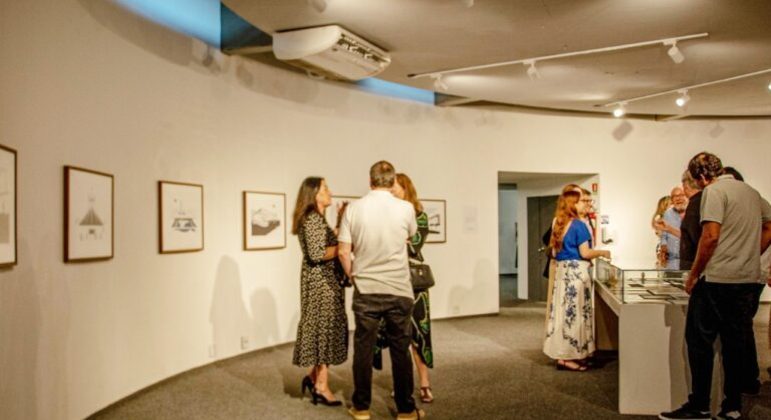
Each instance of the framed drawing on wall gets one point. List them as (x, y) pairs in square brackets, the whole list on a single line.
[(7, 207), (436, 210), (180, 217), (334, 208), (264, 219), (88, 215)]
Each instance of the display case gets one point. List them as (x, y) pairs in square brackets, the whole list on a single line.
[(641, 313), (642, 285)]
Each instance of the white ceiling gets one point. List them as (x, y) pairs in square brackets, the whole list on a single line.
[(430, 35)]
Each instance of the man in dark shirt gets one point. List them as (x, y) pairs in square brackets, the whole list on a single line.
[(690, 227)]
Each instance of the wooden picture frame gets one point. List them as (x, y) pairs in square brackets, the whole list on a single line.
[(436, 210), (264, 220), (89, 215), (8, 207), (180, 217)]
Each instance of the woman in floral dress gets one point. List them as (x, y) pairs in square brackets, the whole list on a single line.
[(322, 333), (570, 324)]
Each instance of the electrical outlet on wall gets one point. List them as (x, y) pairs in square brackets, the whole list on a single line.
[(244, 343), (212, 351)]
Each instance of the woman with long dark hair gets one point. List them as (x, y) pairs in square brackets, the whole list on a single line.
[(570, 324), (322, 333)]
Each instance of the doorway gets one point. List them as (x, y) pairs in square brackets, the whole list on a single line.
[(508, 255), (533, 209), (540, 212)]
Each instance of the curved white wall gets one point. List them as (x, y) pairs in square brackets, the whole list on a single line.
[(84, 83)]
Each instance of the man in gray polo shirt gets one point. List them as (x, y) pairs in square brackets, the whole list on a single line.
[(376, 229), (736, 229)]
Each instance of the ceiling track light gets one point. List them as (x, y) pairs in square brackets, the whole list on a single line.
[(532, 71), (674, 53), (319, 5), (620, 110), (683, 99), (683, 91), (439, 84), (769, 85), (665, 41)]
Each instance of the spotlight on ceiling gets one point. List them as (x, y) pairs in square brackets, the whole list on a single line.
[(620, 110), (674, 53), (532, 72), (319, 5), (769, 85), (468, 3), (439, 84), (683, 99)]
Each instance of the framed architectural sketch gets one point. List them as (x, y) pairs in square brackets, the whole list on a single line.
[(436, 210), (337, 202), (180, 217), (264, 220), (7, 207), (88, 215)]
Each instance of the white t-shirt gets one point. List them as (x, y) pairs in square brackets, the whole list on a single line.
[(378, 226)]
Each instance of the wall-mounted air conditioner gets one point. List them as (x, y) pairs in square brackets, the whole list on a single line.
[(330, 51)]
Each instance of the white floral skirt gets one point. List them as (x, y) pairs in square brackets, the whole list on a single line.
[(570, 315)]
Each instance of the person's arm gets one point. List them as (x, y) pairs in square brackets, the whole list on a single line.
[(344, 253), (590, 254), (765, 238), (315, 240), (413, 224), (672, 230), (710, 234), (329, 253), (344, 241)]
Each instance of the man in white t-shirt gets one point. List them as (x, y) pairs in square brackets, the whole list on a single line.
[(376, 228)]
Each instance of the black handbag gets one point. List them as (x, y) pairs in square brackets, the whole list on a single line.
[(421, 276)]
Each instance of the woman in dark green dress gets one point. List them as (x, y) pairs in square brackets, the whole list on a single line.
[(422, 350)]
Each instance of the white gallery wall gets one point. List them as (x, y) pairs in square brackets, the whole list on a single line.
[(84, 83)]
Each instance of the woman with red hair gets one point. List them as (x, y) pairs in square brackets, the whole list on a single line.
[(570, 324)]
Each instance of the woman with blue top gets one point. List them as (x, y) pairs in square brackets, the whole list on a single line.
[(570, 323)]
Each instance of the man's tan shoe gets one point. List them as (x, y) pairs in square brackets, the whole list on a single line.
[(415, 415), (359, 414)]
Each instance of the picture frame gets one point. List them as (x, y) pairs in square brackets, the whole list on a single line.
[(264, 220), (8, 207), (180, 217), (436, 210), (89, 215), (331, 212)]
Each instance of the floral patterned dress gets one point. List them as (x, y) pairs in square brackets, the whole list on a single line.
[(322, 333), (421, 313), (570, 321)]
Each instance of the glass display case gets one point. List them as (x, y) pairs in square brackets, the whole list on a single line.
[(655, 285)]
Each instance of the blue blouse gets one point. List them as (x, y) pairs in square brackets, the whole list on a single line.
[(577, 234)]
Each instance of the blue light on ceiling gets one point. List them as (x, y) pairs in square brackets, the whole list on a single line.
[(197, 18), (396, 90)]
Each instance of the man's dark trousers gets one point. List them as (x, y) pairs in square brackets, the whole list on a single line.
[(714, 310), (369, 309), (751, 381)]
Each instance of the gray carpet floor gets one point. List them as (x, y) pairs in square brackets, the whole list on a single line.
[(488, 367)]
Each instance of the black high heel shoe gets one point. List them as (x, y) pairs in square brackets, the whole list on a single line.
[(319, 398), (307, 383)]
